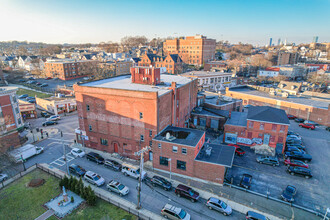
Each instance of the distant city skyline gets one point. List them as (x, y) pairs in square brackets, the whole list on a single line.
[(83, 21)]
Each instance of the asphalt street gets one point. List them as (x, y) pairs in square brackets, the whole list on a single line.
[(152, 199)]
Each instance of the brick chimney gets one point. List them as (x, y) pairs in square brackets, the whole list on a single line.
[(145, 75), (173, 85)]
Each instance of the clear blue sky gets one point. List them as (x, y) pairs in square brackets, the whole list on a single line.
[(81, 21)]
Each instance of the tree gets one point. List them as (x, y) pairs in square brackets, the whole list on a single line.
[(279, 78), (130, 41), (260, 61)]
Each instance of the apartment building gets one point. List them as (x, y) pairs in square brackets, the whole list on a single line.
[(123, 113), (285, 58), (194, 50), (10, 119), (172, 62)]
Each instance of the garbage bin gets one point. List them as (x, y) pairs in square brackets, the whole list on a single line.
[(37, 129)]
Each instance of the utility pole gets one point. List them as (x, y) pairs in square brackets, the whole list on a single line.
[(64, 154), (83, 139), (141, 153)]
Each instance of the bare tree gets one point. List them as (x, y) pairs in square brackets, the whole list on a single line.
[(130, 41)]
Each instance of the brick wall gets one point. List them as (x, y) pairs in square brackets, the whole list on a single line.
[(9, 140), (209, 171)]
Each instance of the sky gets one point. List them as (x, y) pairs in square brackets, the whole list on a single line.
[(94, 21)]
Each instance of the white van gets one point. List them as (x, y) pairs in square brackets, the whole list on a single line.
[(133, 171)]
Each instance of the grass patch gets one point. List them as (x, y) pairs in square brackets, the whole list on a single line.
[(20, 202), (32, 93)]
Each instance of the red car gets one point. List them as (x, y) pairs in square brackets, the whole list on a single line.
[(48, 78), (307, 125), (295, 163), (238, 150), (291, 117)]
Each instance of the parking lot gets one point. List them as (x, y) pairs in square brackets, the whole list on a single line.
[(311, 193)]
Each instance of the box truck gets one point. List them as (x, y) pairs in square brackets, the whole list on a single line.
[(25, 152)]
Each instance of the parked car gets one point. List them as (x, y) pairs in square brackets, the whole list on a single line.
[(187, 192), (246, 181), (293, 133), (132, 171), (290, 117), (3, 177), (48, 78), (298, 156), (77, 152), (21, 80), (294, 141), (112, 164), (94, 178), (218, 205), (38, 83), (295, 163), (311, 122), (33, 82), (250, 215), (44, 85), (45, 114), (268, 160), (47, 123), (300, 171), (293, 136), (299, 146), (32, 101), (54, 118), (77, 170), (23, 96), (162, 182), (117, 187), (95, 157), (175, 213), (29, 98), (294, 148), (288, 193), (327, 129), (307, 125), (299, 120), (238, 151)]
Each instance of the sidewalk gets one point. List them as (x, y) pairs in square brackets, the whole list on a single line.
[(36, 136), (239, 200)]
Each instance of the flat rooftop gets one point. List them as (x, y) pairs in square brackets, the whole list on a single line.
[(212, 98), (125, 82), (205, 74), (183, 136), (310, 101), (210, 112), (237, 119), (217, 154)]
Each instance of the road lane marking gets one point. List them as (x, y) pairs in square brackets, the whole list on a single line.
[(61, 162), (55, 139)]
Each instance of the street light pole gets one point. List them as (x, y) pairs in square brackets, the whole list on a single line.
[(141, 153), (170, 159), (64, 154)]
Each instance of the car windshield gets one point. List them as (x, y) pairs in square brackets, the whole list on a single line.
[(191, 192), (78, 151), (121, 186), (246, 179), (223, 205), (290, 189), (96, 177), (182, 214), (78, 169), (138, 171)]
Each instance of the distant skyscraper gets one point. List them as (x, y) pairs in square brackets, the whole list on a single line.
[(270, 42), (279, 42), (315, 39)]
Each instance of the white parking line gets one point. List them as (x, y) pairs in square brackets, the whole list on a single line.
[(55, 139), (61, 162)]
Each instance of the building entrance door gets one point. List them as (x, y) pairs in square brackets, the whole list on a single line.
[(266, 139), (150, 155), (115, 146)]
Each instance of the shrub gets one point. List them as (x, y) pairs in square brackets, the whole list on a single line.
[(72, 199)]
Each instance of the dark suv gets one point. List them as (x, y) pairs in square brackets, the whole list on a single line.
[(160, 181), (273, 161), (95, 157), (77, 170), (298, 156), (187, 192), (300, 171)]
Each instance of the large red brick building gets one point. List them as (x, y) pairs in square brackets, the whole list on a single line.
[(10, 119), (69, 69), (183, 152), (122, 114), (172, 62), (195, 50), (261, 125)]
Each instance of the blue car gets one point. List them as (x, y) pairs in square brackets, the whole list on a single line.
[(289, 193)]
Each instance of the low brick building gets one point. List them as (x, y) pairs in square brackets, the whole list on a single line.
[(28, 111), (215, 65), (122, 114), (171, 62), (309, 108), (183, 152), (57, 105), (261, 125)]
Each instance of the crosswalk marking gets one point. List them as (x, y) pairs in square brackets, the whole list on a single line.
[(61, 162)]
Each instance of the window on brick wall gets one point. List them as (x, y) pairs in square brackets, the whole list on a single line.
[(280, 140), (282, 128), (181, 165), (175, 149), (274, 127), (250, 124), (87, 107), (159, 145), (249, 135), (150, 143), (272, 139), (184, 150), (150, 133), (141, 115), (142, 137), (262, 126), (163, 161), (104, 141), (90, 128)]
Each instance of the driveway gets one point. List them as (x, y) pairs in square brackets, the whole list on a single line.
[(311, 193)]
